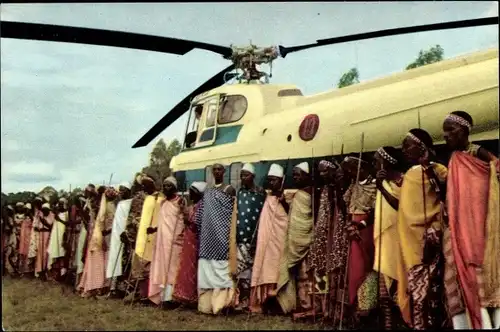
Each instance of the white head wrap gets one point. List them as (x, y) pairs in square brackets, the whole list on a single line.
[(172, 180), (199, 185), (10, 207), (46, 206), (63, 200), (28, 206), (303, 167), (275, 170), (249, 168), (19, 204)]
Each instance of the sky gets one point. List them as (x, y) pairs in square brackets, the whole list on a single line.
[(70, 113)]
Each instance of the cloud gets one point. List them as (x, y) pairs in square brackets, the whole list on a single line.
[(29, 173), (493, 10)]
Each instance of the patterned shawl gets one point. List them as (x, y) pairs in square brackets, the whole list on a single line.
[(214, 222)]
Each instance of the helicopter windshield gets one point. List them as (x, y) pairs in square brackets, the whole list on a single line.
[(203, 116)]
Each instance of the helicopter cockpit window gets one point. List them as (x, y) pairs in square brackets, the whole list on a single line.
[(192, 126), (232, 109), (211, 114)]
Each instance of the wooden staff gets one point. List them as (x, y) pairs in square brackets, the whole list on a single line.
[(379, 274), (349, 247)]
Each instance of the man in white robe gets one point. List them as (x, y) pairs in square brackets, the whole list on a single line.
[(114, 268)]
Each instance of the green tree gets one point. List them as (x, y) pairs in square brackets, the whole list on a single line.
[(159, 159), (426, 57), (349, 78)]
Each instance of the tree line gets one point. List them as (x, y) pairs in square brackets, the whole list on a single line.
[(160, 156)]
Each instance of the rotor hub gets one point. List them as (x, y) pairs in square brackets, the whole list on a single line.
[(247, 58)]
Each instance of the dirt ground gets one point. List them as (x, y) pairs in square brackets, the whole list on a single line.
[(31, 305)]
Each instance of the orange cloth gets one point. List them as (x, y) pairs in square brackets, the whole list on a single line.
[(467, 198), (272, 231)]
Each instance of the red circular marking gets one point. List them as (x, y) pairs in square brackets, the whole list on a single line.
[(309, 127)]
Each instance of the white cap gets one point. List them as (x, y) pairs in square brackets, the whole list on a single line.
[(19, 204), (28, 206), (124, 184), (275, 170), (249, 168), (172, 180), (46, 206), (199, 185), (303, 167)]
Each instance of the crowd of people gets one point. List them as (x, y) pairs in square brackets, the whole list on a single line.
[(391, 237)]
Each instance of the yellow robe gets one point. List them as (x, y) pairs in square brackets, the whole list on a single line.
[(149, 218), (388, 217), (298, 240), (412, 225)]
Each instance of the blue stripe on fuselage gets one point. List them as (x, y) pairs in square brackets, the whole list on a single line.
[(225, 135)]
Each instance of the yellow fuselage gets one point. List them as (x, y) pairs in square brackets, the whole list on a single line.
[(383, 109)]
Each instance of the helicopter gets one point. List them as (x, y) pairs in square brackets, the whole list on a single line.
[(237, 116)]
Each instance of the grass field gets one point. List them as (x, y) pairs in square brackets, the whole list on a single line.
[(31, 305)]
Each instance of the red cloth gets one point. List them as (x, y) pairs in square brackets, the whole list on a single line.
[(25, 237), (185, 289), (361, 258), (467, 198)]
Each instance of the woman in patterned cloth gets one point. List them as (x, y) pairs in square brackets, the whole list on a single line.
[(25, 265), (93, 281), (360, 199), (321, 248), (185, 290), (10, 253), (249, 204), (420, 274), (472, 236), (390, 171), (216, 287)]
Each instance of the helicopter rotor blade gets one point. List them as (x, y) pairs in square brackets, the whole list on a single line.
[(181, 108), (391, 32), (79, 35)]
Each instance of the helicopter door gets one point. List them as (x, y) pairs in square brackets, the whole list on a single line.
[(208, 126)]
